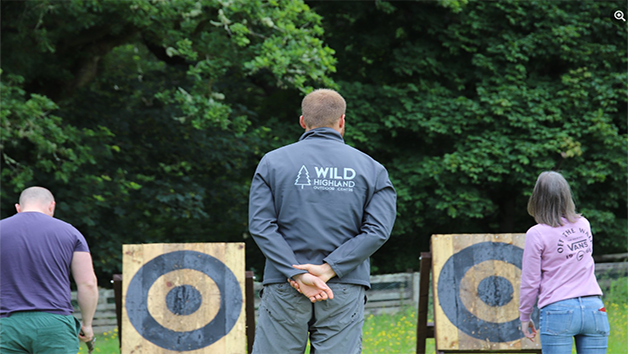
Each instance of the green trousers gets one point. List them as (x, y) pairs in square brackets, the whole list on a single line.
[(39, 333)]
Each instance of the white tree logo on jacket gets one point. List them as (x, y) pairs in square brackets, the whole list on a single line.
[(303, 178)]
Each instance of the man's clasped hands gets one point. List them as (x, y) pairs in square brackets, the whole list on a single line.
[(313, 284)]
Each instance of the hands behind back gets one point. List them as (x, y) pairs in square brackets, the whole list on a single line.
[(312, 285)]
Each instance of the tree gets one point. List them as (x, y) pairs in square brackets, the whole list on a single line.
[(467, 102), (303, 180), (147, 119), (142, 117)]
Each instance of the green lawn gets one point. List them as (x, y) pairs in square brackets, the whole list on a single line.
[(106, 343), (396, 334)]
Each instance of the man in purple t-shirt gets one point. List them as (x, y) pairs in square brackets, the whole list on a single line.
[(37, 255)]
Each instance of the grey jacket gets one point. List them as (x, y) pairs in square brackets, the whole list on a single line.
[(320, 200)]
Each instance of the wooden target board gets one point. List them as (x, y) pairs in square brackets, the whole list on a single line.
[(476, 280), (183, 298)]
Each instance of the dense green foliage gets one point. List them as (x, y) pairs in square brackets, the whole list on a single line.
[(467, 104), (143, 117), (147, 118)]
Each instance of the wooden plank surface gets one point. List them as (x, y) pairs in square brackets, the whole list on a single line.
[(477, 307), (191, 298), (446, 334)]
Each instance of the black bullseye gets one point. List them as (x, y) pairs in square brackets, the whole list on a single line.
[(495, 291), (184, 300)]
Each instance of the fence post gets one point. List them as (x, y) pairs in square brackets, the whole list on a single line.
[(415, 289)]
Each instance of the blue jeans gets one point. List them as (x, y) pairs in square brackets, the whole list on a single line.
[(579, 318)]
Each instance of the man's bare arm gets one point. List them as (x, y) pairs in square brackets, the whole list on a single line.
[(87, 291)]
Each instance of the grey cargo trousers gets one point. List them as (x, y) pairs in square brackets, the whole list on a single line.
[(286, 317)]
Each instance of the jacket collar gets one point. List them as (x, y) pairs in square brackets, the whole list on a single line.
[(325, 133)]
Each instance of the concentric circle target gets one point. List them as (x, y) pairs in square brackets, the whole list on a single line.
[(190, 301), (494, 290), (184, 339)]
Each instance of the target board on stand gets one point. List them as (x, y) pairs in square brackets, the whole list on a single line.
[(183, 298), (476, 279)]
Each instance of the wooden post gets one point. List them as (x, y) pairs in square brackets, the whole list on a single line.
[(423, 329), (117, 292), (250, 311)]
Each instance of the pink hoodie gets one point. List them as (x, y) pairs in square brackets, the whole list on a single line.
[(557, 265)]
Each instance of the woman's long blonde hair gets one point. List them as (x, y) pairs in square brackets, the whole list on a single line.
[(551, 200)]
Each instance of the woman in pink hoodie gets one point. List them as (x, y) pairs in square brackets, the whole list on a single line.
[(558, 270)]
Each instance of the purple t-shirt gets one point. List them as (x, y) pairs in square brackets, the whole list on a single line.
[(557, 265), (35, 259)]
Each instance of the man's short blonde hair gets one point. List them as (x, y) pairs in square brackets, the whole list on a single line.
[(322, 108)]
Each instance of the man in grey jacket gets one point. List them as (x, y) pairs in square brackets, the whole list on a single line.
[(318, 209)]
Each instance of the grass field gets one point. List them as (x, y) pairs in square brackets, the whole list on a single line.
[(396, 334)]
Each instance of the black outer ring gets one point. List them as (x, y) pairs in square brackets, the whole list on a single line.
[(151, 330), (449, 291)]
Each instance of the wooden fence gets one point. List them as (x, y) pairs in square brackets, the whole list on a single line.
[(607, 272), (388, 294)]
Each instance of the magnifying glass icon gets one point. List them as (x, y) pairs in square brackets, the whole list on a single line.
[(619, 15)]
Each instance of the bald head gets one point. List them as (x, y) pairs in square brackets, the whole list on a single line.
[(36, 199)]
